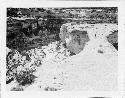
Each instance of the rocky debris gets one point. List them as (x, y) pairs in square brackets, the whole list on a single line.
[(22, 69)]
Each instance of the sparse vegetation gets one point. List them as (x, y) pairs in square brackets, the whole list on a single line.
[(33, 39)]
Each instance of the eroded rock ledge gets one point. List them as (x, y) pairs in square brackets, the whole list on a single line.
[(93, 67)]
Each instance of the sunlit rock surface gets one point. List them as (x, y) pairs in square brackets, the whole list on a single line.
[(93, 68), (93, 71)]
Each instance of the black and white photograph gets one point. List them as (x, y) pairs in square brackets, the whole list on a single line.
[(62, 49)]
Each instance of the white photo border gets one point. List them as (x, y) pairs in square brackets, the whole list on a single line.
[(32, 3)]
